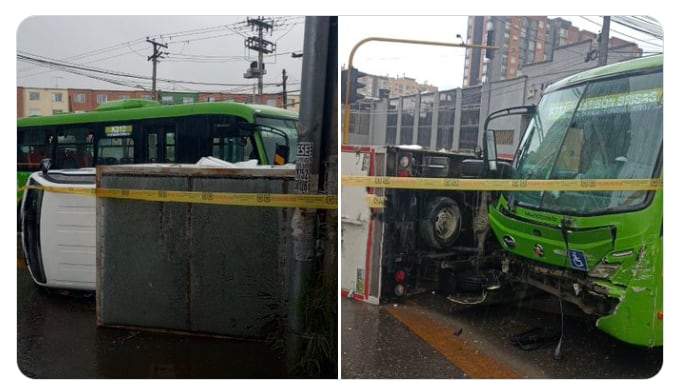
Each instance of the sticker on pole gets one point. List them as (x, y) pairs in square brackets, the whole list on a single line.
[(577, 260), (303, 165)]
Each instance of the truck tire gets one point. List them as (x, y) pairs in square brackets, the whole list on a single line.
[(442, 223)]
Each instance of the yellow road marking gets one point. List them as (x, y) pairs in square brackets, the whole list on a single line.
[(475, 363)]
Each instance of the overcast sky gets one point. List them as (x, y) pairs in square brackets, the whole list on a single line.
[(439, 66), (201, 49), (210, 49)]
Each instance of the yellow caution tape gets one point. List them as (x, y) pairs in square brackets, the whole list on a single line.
[(90, 192), (375, 201), (234, 199), (503, 185)]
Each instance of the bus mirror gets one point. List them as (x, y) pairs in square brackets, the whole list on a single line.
[(281, 154), (491, 150), (45, 165)]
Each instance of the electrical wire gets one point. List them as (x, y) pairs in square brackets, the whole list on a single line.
[(614, 31), (100, 74), (281, 21)]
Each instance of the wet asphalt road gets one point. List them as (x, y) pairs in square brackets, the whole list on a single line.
[(377, 345), (57, 337)]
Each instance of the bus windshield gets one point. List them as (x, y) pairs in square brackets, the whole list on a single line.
[(283, 132), (607, 129)]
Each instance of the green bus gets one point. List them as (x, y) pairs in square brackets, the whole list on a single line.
[(135, 131), (601, 251)]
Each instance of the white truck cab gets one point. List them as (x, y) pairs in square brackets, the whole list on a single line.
[(59, 229)]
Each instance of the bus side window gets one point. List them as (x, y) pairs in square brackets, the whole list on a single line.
[(33, 146), (115, 150), (229, 141), (74, 148), (170, 146)]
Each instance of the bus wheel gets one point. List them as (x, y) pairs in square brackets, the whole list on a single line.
[(442, 223)]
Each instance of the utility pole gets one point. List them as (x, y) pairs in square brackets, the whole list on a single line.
[(261, 65), (156, 54), (284, 96), (314, 234), (603, 46), (257, 43)]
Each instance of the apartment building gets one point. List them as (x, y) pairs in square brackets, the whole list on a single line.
[(85, 100), (523, 40), (405, 86), (41, 101), (376, 86), (46, 101)]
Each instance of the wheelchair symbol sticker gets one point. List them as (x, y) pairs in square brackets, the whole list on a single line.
[(577, 260)]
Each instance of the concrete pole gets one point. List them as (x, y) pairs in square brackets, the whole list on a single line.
[(330, 158), (603, 48), (308, 165), (434, 121), (399, 116), (457, 124), (260, 66), (156, 54), (284, 96), (416, 119)]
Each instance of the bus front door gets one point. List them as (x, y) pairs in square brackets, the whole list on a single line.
[(160, 144)]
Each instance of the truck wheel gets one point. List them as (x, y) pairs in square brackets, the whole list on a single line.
[(442, 223)]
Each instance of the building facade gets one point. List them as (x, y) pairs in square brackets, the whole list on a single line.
[(406, 86), (86, 100), (453, 119), (376, 87), (42, 101), (46, 101), (522, 40), (443, 120)]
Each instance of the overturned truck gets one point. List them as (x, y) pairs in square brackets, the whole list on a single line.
[(592, 235)]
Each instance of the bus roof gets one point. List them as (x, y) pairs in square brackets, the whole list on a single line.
[(127, 110), (635, 65)]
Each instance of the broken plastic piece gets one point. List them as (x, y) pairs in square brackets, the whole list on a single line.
[(535, 338)]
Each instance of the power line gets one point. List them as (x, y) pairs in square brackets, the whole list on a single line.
[(634, 38), (639, 25), (171, 36), (197, 31), (98, 72), (207, 59), (230, 27)]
